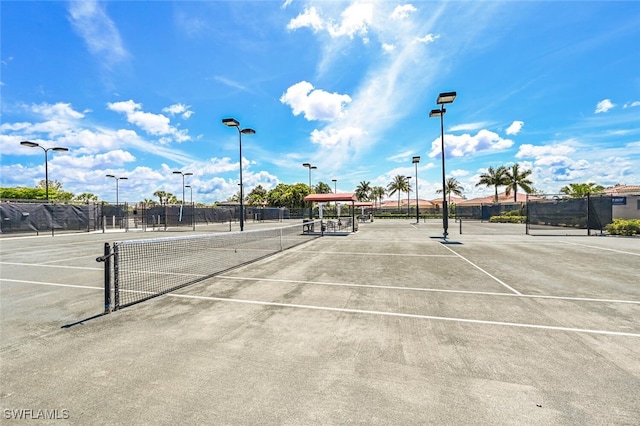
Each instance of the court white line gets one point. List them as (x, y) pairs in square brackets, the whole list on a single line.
[(432, 290), (603, 248), (341, 253), (52, 284), (483, 271), (401, 315), (41, 265)]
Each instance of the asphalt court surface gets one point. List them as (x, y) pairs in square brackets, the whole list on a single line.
[(386, 326)]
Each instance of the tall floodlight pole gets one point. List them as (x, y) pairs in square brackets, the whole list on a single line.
[(46, 161), (415, 161), (443, 98), (232, 122), (335, 191), (193, 216), (310, 167), (408, 192), (118, 179), (191, 193), (183, 175)]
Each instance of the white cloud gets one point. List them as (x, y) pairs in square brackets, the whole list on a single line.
[(316, 104), (336, 137), (401, 157), (154, 124), (459, 173), (429, 38), (515, 128), (604, 106), (401, 12), (529, 151), (388, 48), (631, 104), (355, 20), (179, 109), (461, 145), (465, 127), (58, 111), (91, 21), (307, 19)]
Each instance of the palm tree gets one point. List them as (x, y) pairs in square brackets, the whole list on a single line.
[(579, 190), (517, 178), (399, 184), (86, 197), (494, 177), (452, 185), (162, 195), (377, 192), (363, 191)]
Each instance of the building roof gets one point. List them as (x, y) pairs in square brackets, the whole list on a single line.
[(622, 189), (452, 200), (319, 198), (502, 198), (403, 202)]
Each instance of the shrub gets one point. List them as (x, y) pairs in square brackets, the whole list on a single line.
[(624, 227), (508, 219)]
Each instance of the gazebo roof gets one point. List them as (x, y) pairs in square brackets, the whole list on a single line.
[(331, 197)]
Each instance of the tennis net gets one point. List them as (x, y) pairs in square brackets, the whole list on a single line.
[(137, 270)]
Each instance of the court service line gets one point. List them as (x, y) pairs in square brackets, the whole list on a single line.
[(433, 290), (41, 265), (341, 253), (603, 248), (52, 284), (401, 315), (483, 271)]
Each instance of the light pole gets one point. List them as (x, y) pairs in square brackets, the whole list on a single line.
[(310, 167), (193, 210), (191, 193), (415, 161), (117, 180), (335, 191), (232, 122), (183, 175), (443, 98), (408, 192), (46, 161)]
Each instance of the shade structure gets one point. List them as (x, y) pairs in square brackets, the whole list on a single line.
[(323, 198)]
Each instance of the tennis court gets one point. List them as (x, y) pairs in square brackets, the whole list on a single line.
[(385, 326)]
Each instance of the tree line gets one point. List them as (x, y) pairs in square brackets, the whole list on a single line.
[(512, 178)]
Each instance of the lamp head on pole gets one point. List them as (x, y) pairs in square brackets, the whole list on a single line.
[(60, 149), (248, 132), (111, 176), (231, 122), (416, 159), (437, 112), (306, 165), (446, 98), (29, 144)]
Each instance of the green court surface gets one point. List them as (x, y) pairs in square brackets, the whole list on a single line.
[(384, 326)]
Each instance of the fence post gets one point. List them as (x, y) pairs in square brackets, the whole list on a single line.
[(588, 214), (106, 258), (526, 216)]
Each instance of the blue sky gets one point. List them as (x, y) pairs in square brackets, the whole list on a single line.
[(138, 89)]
